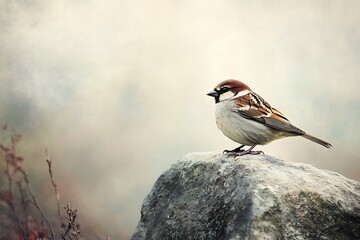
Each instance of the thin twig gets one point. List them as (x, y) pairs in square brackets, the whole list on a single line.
[(41, 212), (34, 201), (48, 160), (24, 204), (11, 202)]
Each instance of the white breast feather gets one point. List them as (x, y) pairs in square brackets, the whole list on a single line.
[(240, 129)]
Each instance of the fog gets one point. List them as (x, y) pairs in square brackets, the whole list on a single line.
[(116, 90)]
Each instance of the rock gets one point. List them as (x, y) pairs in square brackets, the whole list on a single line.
[(212, 196)]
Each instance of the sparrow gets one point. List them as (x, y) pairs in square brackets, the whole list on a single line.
[(246, 118)]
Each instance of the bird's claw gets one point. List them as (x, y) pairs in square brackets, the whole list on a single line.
[(231, 151), (237, 152)]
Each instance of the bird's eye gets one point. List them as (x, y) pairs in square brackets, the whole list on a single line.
[(224, 89)]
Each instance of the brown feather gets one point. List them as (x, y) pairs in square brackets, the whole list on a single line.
[(253, 107)]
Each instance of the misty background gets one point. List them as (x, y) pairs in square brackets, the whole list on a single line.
[(116, 90)]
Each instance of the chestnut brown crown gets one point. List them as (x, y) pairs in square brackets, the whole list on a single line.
[(233, 85)]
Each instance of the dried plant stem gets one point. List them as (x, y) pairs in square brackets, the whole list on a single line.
[(48, 160), (32, 195), (24, 204), (41, 212), (11, 202)]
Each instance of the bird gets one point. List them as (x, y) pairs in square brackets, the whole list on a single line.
[(246, 118)]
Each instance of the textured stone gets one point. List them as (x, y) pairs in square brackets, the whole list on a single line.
[(212, 196)]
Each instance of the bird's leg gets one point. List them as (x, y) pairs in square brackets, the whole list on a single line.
[(248, 151), (236, 150)]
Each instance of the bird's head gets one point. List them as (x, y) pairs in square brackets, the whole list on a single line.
[(229, 89)]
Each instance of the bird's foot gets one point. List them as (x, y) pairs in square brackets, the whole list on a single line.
[(236, 150)]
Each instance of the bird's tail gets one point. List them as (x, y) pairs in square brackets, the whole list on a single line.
[(317, 140)]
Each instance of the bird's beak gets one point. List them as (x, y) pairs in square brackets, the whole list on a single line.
[(213, 94)]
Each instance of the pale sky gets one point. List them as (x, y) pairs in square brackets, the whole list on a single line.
[(116, 90)]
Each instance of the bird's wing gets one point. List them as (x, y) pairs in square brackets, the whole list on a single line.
[(254, 107)]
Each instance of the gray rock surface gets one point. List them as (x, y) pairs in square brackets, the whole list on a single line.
[(211, 196)]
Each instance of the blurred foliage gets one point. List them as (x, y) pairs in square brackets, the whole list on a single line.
[(21, 216)]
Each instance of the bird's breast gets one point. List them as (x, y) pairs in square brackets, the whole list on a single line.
[(240, 129)]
